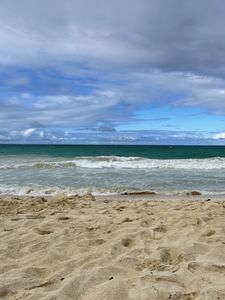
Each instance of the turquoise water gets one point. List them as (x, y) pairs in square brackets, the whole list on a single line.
[(48, 169), (160, 152)]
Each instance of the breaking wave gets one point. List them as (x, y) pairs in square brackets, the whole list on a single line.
[(115, 162)]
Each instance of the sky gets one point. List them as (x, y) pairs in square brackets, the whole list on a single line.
[(112, 71)]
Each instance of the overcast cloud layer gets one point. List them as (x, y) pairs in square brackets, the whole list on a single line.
[(77, 71)]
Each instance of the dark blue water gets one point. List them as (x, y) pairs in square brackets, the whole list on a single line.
[(156, 152)]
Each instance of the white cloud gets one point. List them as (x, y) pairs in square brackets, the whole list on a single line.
[(219, 136), (27, 132), (41, 134), (114, 102), (73, 136)]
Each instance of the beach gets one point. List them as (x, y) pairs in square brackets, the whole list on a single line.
[(112, 150), (62, 248)]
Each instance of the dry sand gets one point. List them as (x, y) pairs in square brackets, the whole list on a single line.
[(79, 248)]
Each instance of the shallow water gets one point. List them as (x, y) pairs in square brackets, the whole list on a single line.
[(111, 169)]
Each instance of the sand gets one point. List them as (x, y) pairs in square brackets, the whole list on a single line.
[(79, 248)]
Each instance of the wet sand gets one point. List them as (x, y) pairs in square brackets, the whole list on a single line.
[(64, 248)]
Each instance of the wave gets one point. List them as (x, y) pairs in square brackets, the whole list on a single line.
[(35, 190), (115, 162)]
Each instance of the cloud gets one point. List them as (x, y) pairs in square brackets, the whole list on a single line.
[(27, 132), (219, 136), (138, 137), (106, 128), (172, 36), (23, 133), (108, 104), (59, 110), (95, 64)]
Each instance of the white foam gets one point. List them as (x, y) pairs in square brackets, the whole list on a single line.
[(145, 163), (36, 190), (115, 162)]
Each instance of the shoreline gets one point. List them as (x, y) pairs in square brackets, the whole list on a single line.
[(124, 196), (64, 248)]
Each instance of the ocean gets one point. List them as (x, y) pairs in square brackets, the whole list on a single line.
[(101, 169)]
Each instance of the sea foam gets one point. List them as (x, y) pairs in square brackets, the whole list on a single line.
[(116, 162)]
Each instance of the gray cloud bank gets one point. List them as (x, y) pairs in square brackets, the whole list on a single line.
[(173, 35)]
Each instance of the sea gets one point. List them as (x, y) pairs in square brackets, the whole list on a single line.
[(111, 169)]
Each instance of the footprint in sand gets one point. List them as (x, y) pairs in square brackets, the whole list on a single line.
[(43, 231), (165, 256), (160, 228), (90, 242), (170, 256), (118, 248), (195, 267), (145, 223), (209, 233), (127, 242), (63, 218), (4, 291)]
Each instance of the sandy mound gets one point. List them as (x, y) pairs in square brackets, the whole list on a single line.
[(78, 248)]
